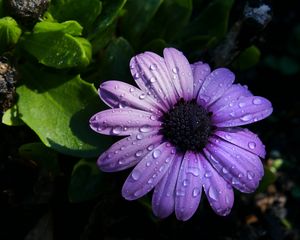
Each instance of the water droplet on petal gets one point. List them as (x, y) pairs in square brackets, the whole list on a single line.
[(224, 170), (193, 170), (212, 193), (152, 79), (257, 101), (196, 192), (156, 153), (145, 128), (136, 76), (227, 200), (139, 136), (117, 130), (150, 147), (252, 145), (136, 174), (138, 153), (152, 117), (142, 96), (228, 137), (241, 175), (153, 67), (208, 174), (185, 182), (131, 90), (246, 118), (241, 104), (150, 180), (250, 175), (148, 164), (175, 70), (180, 193)]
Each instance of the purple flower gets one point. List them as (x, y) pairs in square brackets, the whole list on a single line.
[(182, 134)]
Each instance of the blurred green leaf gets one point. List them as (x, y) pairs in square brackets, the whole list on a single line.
[(156, 45), (137, 17), (85, 181), (43, 156), (115, 61), (85, 12), (169, 20), (247, 59), (11, 117), (54, 46), (285, 65), (267, 180), (9, 33), (104, 24), (212, 21), (57, 108)]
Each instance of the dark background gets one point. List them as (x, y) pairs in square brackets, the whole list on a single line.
[(37, 207)]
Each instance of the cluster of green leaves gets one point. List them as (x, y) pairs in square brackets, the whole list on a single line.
[(78, 44)]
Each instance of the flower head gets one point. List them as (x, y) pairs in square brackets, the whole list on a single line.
[(182, 134)]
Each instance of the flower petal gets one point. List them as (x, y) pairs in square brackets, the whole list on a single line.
[(117, 94), (214, 86), (124, 122), (151, 75), (188, 187), (200, 71), (242, 111), (219, 192), (233, 93), (163, 200), (244, 139), (180, 72), (128, 151), (241, 168), (148, 172)]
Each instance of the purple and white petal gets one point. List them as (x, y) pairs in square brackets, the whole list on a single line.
[(241, 168), (117, 94), (128, 151), (188, 187), (163, 200), (243, 138), (151, 75), (180, 72), (124, 121), (232, 94), (242, 111), (200, 72), (219, 192), (148, 172), (214, 86)]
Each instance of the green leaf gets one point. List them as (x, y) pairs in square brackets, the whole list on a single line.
[(248, 58), (212, 21), (11, 117), (170, 19), (137, 17), (57, 108), (85, 12), (9, 33), (54, 46), (115, 61), (43, 156), (104, 25), (85, 181)]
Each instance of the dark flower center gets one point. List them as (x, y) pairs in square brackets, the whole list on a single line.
[(187, 126)]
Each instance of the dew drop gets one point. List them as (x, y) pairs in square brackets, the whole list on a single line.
[(212, 193), (152, 79), (228, 137), (153, 67), (148, 164), (156, 153), (150, 181), (136, 174), (246, 118), (152, 117), (180, 193), (208, 174), (131, 90), (241, 175), (185, 182), (257, 101), (252, 145), (196, 192), (117, 130), (138, 153), (142, 96), (242, 104), (250, 175), (136, 76), (227, 200), (150, 147), (175, 70), (139, 136), (224, 170), (145, 129), (194, 171)]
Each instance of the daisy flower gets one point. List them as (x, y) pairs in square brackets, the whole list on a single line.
[(182, 134)]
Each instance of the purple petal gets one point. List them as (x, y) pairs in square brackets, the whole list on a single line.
[(163, 200), (128, 151), (219, 192), (232, 94), (151, 75), (241, 168), (214, 86), (244, 139), (117, 94), (180, 72), (188, 187), (124, 122), (200, 71), (243, 111), (148, 172)]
